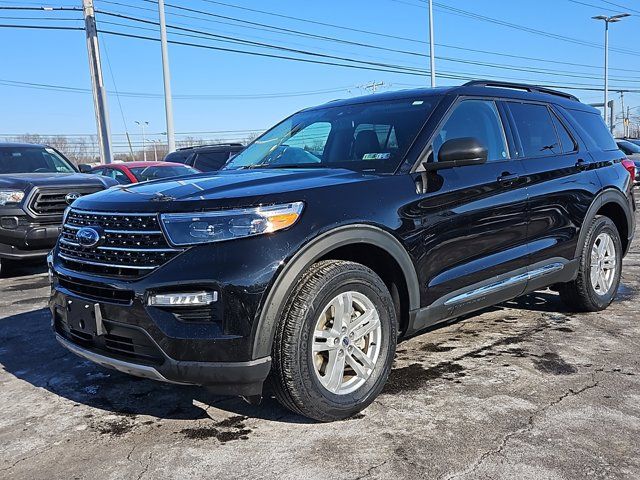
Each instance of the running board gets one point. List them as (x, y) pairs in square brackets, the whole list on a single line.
[(502, 284)]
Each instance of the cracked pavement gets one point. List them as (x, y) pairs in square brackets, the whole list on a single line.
[(524, 390)]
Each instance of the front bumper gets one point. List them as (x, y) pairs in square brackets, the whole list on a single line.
[(233, 378), (156, 342), (27, 239)]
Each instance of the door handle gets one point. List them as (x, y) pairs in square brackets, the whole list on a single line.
[(581, 164), (507, 179)]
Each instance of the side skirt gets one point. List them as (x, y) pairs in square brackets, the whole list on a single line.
[(493, 291)]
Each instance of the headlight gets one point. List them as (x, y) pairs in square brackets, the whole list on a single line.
[(193, 228), (11, 196)]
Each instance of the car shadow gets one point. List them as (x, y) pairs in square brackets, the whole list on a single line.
[(26, 268), (30, 352)]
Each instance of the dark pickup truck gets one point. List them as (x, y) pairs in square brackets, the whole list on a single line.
[(37, 183)]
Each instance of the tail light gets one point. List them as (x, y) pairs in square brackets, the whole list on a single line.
[(631, 168)]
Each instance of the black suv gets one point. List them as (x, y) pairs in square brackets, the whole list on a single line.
[(340, 230), (206, 158), (36, 184)]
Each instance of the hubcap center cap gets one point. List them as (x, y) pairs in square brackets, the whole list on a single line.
[(345, 341)]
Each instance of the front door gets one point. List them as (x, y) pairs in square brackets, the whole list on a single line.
[(480, 212)]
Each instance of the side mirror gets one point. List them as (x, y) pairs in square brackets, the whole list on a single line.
[(459, 152), (85, 168)]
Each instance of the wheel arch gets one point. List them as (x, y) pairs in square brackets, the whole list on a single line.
[(336, 240), (613, 204)]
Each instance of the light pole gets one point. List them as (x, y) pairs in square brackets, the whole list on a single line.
[(144, 140), (607, 21), (432, 47), (166, 74), (155, 150)]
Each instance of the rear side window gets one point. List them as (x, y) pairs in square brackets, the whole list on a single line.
[(594, 126), (535, 129), (567, 142), (210, 161)]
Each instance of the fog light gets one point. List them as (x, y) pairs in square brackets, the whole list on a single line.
[(191, 299), (10, 223)]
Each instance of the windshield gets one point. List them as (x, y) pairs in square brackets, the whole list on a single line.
[(372, 136), (143, 174), (628, 147), (32, 160)]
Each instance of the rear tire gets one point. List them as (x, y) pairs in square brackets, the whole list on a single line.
[(335, 342), (599, 272)]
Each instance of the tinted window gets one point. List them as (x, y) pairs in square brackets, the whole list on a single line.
[(594, 126), (372, 136), (179, 156), (535, 129), (210, 161), (566, 140), (478, 119), (144, 174), (32, 160), (117, 175)]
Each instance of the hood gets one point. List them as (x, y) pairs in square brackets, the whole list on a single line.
[(220, 189), (25, 181)]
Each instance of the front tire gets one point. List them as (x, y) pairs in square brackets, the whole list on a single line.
[(600, 269), (335, 343)]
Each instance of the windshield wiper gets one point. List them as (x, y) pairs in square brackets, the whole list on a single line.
[(291, 165)]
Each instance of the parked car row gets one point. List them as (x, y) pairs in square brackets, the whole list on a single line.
[(37, 183), (631, 148)]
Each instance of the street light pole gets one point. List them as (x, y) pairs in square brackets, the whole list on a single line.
[(607, 21), (168, 102), (432, 47), (144, 139)]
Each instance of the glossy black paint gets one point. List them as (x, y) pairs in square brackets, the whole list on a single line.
[(458, 227)]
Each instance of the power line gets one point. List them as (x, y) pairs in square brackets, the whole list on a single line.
[(274, 29), (522, 28), (63, 88), (306, 52)]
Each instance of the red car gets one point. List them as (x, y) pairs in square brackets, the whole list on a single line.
[(134, 172)]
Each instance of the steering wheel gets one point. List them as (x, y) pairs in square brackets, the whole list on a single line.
[(41, 170)]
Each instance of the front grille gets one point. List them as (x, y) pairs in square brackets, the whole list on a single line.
[(133, 244), (53, 201)]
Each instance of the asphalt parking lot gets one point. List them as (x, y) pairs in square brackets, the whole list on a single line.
[(525, 390)]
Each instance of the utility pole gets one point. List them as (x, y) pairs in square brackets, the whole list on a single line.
[(168, 102), (372, 86), (144, 139), (99, 92), (607, 21), (624, 124), (432, 47)]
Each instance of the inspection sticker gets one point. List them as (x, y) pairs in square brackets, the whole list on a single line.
[(376, 156)]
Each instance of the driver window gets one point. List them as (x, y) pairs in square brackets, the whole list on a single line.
[(479, 119), (311, 138)]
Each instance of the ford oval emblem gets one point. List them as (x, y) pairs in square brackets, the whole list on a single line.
[(72, 197), (88, 237)]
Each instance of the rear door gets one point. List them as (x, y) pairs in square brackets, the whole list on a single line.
[(480, 257), (561, 186)]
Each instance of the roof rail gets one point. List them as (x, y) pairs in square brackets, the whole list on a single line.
[(520, 86), (233, 144)]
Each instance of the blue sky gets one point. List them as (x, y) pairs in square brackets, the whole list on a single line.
[(60, 58)]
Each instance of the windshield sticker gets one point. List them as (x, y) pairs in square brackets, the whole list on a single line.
[(376, 156)]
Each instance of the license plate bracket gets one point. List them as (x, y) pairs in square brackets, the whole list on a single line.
[(85, 317)]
